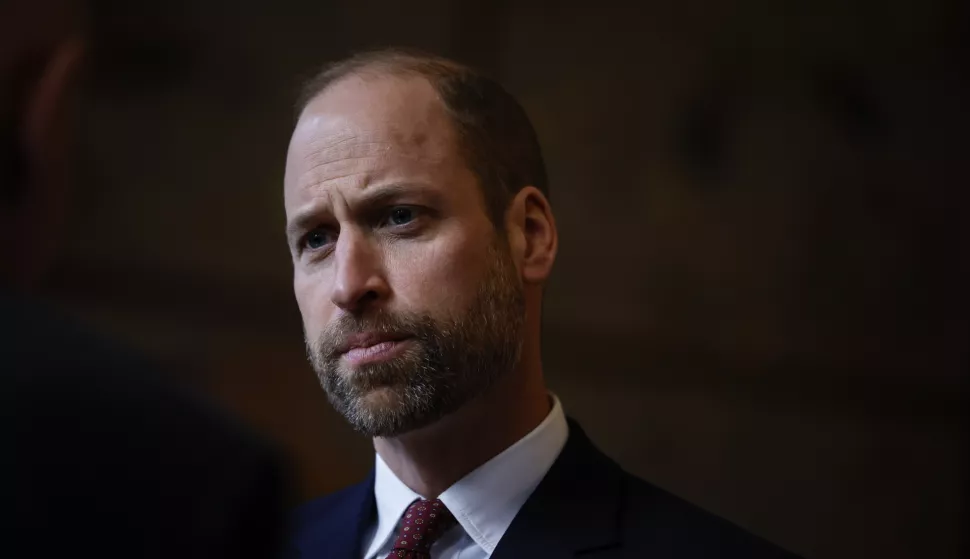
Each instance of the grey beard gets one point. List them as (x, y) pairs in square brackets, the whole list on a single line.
[(448, 364)]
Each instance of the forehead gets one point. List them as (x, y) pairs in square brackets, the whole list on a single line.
[(368, 126)]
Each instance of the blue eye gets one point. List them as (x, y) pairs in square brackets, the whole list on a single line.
[(316, 239), (401, 216)]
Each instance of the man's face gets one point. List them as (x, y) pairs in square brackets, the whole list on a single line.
[(411, 303)]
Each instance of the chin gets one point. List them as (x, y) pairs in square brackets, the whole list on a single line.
[(380, 401), (384, 412)]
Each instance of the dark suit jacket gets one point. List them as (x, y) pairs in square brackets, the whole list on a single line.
[(103, 456), (586, 505)]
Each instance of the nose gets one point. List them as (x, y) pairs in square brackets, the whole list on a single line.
[(359, 280)]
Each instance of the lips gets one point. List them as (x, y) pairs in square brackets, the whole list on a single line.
[(366, 340)]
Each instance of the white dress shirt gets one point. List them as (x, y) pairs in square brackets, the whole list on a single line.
[(484, 502)]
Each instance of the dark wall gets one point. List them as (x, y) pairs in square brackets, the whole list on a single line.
[(760, 301)]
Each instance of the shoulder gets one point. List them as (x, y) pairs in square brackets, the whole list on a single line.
[(650, 521), (319, 509), (65, 381), (336, 515), (100, 429), (655, 519)]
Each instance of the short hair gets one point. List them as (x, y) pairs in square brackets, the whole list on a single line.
[(495, 135)]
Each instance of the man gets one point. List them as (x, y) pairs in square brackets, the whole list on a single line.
[(421, 234), (108, 458)]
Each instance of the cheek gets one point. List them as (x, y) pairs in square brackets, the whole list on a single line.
[(438, 278), (315, 306)]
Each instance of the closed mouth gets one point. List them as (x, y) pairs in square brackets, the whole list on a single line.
[(367, 340)]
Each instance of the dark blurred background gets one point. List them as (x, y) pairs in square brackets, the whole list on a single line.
[(761, 297)]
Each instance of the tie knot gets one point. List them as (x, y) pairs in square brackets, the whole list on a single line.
[(423, 523)]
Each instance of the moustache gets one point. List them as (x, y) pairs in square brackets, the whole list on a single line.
[(348, 332)]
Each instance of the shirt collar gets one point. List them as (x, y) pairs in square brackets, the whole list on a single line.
[(486, 500)]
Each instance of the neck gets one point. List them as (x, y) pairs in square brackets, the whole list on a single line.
[(431, 459)]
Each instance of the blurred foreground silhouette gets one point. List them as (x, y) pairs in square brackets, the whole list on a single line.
[(106, 454)]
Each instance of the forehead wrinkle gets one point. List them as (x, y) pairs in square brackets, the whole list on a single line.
[(336, 156), (317, 183), (326, 150), (367, 165), (329, 171), (334, 148)]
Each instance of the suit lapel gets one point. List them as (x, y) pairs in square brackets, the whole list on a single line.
[(574, 509), (337, 531)]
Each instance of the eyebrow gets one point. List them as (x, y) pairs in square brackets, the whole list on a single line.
[(373, 197)]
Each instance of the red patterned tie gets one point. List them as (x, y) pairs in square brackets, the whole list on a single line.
[(423, 523)]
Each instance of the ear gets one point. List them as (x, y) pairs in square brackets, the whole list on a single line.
[(532, 233)]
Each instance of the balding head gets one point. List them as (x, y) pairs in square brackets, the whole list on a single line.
[(494, 133)]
